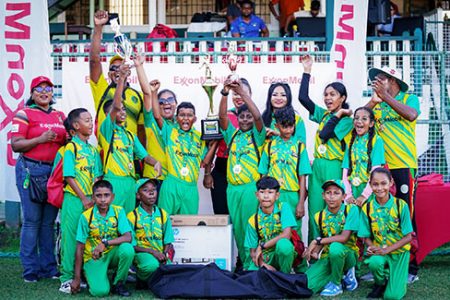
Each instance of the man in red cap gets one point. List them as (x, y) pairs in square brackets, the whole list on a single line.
[(396, 113), (103, 92)]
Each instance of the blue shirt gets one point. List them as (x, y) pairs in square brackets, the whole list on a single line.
[(250, 29)]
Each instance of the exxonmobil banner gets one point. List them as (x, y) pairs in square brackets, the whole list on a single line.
[(24, 54), (349, 47)]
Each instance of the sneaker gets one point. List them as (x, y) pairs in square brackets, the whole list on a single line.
[(120, 290), (331, 289), (65, 287), (132, 270), (55, 276), (131, 278), (412, 278), (83, 285), (350, 282), (367, 277), (30, 278), (377, 291)]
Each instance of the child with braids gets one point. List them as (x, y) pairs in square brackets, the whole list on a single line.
[(364, 153)]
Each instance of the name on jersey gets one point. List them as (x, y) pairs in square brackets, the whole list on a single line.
[(189, 154)]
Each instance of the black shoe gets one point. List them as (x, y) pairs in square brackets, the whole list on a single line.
[(121, 290), (377, 291), (141, 284)]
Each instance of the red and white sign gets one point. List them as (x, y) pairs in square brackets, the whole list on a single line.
[(25, 53), (348, 53)]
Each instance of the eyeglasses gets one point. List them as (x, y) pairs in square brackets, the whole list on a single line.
[(40, 89), (169, 100), (114, 68)]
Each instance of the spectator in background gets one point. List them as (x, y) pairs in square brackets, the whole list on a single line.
[(315, 8), (286, 16), (248, 25), (233, 12), (386, 29)]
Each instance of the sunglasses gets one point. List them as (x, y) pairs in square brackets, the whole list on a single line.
[(40, 89), (169, 100), (114, 68)]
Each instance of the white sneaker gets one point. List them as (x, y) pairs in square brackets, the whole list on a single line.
[(367, 277), (65, 287), (412, 278)]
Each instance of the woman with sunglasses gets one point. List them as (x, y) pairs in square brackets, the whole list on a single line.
[(335, 124), (279, 96), (37, 133)]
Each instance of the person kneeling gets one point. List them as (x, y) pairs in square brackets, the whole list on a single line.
[(152, 232), (269, 230), (103, 241), (338, 225)]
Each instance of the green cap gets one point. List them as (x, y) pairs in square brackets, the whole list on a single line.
[(143, 181), (335, 182)]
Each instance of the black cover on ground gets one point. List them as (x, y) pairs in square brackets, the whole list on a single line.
[(208, 281)]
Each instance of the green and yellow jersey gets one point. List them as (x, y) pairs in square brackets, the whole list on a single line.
[(244, 154), (84, 168), (285, 161), (125, 146), (300, 131), (93, 227), (329, 224), (102, 92), (184, 152), (360, 158), (155, 145), (269, 226), (332, 149), (398, 134), (386, 224), (151, 231)]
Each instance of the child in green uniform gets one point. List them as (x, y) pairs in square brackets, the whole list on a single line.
[(285, 158), (152, 230), (386, 227), (80, 173), (185, 153), (334, 125), (338, 225), (364, 153), (119, 148), (244, 146), (269, 230), (103, 241)]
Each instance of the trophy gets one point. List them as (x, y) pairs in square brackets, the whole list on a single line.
[(210, 125), (232, 61), (122, 44)]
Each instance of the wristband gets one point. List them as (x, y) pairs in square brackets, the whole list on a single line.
[(318, 240), (262, 245), (105, 242), (224, 93)]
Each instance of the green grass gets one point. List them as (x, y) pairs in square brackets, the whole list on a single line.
[(433, 284)]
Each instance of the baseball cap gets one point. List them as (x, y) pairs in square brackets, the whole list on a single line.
[(390, 72), (114, 58), (38, 80), (336, 182), (143, 181)]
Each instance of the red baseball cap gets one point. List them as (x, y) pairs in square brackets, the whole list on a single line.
[(38, 80)]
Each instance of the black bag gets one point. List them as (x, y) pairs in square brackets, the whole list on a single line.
[(208, 281), (37, 186)]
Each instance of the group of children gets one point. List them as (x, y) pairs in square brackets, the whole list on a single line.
[(267, 173)]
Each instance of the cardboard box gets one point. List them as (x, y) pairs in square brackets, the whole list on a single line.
[(204, 245), (195, 220)]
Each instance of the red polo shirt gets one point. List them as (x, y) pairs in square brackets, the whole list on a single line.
[(222, 148)]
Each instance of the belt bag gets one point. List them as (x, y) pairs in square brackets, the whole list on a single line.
[(37, 186)]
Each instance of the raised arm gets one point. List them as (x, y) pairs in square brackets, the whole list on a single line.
[(303, 95), (155, 105), (143, 81), (223, 105), (237, 88), (124, 72), (95, 66)]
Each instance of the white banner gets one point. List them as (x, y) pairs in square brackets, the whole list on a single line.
[(349, 47), (25, 54)]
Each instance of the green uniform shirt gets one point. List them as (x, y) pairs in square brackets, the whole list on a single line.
[(184, 151), (270, 226), (300, 131), (334, 224), (155, 145), (388, 225), (125, 146), (360, 157), (84, 168), (93, 227), (332, 148), (398, 134), (284, 162), (150, 230), (244, 153)]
